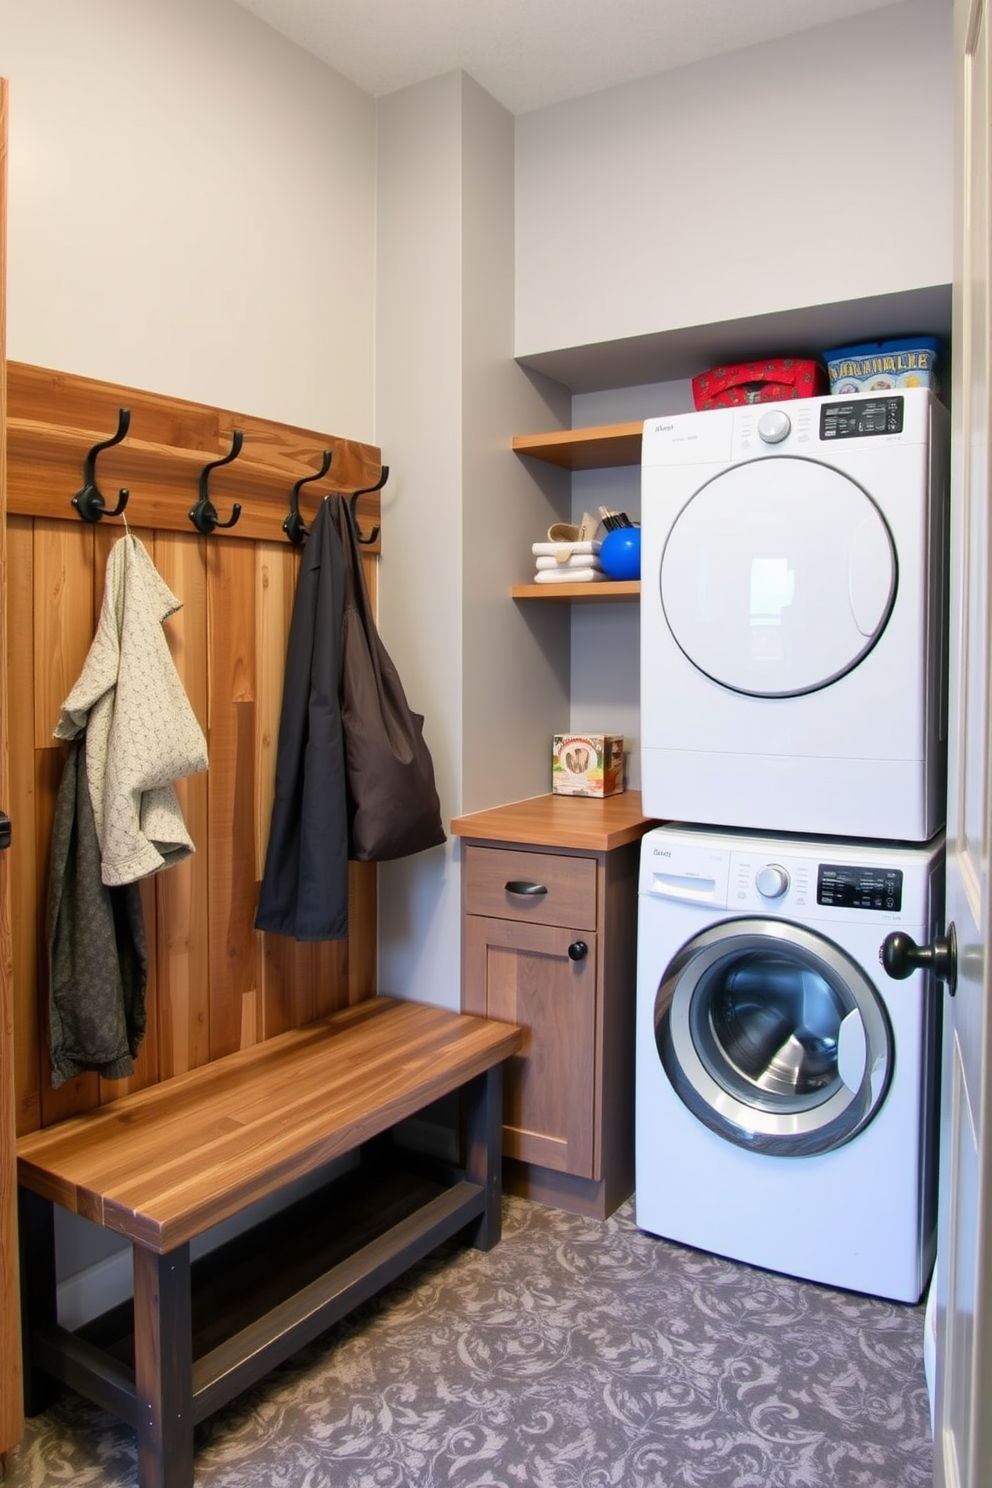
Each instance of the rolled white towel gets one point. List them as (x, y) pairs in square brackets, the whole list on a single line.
[(577, 560), (558, 575), (565, 550)]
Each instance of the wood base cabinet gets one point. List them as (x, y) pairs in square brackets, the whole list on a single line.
[(549, 939)]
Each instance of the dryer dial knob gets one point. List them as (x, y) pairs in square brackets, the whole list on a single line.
[(771, 881), (774, 426)]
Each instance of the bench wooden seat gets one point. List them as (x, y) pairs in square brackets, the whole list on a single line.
[(165, 1164)]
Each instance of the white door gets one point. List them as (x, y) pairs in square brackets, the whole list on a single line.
[(963, 1434), (11, 1413)]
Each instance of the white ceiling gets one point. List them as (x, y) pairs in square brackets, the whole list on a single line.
[(531, 53)]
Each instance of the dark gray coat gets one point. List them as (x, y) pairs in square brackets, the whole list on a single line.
[(304, 890), (97, 960)]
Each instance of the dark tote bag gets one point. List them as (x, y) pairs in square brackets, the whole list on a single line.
[(393, 806)]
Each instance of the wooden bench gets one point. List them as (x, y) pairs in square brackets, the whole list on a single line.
[(165, 1164)]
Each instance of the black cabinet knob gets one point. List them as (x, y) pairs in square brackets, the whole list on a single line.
[(901, 956), (578, 950)]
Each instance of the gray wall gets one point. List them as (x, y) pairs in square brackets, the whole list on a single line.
[(808, 171), (460, 516), (801, 172)]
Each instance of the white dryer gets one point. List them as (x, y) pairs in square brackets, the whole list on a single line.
[(793, 616), (786, 1088)]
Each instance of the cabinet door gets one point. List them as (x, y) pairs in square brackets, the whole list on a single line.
[(529, 978)]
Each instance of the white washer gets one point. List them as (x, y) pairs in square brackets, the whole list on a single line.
[(792, 616), (786, 1094)]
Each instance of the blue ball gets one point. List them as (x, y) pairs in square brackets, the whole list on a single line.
[(620, 553)]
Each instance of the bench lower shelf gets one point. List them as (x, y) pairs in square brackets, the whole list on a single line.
[(259, 1298), (197, 1333)]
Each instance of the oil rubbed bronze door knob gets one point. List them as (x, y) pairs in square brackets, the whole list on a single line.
[(901, 956)]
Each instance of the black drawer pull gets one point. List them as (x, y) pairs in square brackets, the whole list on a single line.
[(526, 886), (578, 950)]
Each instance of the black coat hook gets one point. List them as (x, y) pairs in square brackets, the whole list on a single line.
[(353, 502), (89, 501), (294, 526), (204, 513)]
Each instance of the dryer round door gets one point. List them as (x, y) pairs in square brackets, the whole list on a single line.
[(778, 577), (773, 1037)]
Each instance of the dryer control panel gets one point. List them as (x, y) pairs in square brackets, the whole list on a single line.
[(862, 419), (799, 427), (806, 426)]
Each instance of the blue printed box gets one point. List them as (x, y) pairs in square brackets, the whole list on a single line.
[(881, 366)]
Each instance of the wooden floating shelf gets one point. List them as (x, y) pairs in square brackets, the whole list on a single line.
[(584, 449), (604, 593)]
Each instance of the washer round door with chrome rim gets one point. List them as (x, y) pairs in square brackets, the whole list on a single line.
[(773, 1037)]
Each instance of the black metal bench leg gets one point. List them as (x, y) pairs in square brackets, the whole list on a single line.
[(163, 1368), (39, 1299), (483, 1109)]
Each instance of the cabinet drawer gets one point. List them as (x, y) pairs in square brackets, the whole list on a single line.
[(548, 888)]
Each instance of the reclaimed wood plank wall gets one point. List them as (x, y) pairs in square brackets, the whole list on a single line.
[(215, 984)]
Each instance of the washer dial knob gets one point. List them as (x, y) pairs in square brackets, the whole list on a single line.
[(772, 881), (774, 426)]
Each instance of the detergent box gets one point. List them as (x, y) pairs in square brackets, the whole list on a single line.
[(587, 765), (881, 366)]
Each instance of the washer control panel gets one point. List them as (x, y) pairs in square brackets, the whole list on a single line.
[(772, 881), (760, 881), (861, 887), (769, 876)]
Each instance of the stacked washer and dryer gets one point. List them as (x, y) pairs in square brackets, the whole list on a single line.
[(793, 676)]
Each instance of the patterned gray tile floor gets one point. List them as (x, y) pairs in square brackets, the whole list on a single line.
[(577, 1354)]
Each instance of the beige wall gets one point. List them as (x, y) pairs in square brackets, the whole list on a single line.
[(191, 208), (191, 211), (806, 171)]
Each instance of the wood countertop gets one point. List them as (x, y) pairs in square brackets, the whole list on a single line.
[(560, 821)]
